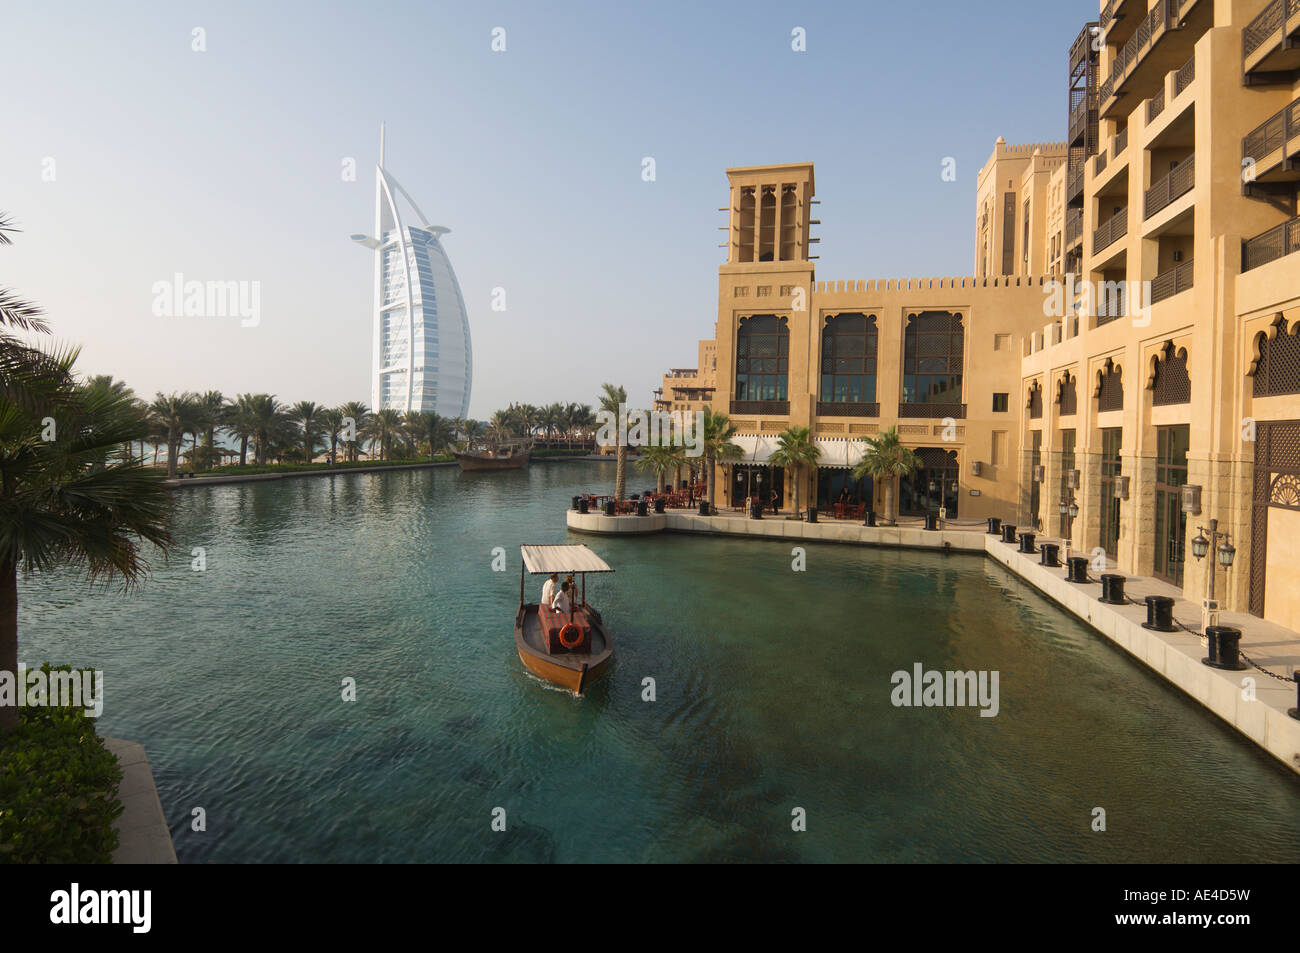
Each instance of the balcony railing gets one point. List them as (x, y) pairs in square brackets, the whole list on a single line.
[(831, 408), (1273, 133), (933, 411), (1114, 229), (1099, 164), (1186, 73), (1073, 225), (1149, 30), (1171, 282), (1271, 245), (768, 408), (1176, 184), (1107, 14), (1267, 25), (1080, 117), (1155, 105), (1074, 184), (1121, 142)]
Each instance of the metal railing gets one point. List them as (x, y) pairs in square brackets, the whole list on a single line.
[(1155, 105), (1108, 14), (775, 408), (1272, 133), (1116, 227), (1277, 242), (1074, 184), (1080, 117), (1073, 225), (1171, 282), (1176, 184), (1267, 25), (1149, 30), (1099, 163), (833, 408), (1186, 73), (1121, 143), (932, 411)]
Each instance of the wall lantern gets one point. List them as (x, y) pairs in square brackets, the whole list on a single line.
[(1074, 509), (1121, 488), (975, 469), (1062, 507), (1072, 479), (1040, 473), (1192, 499)]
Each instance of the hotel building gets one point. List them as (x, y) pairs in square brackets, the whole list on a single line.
[(422, 359), (1129, 343)]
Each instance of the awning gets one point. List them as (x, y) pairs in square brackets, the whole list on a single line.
[(544, 560), (842, 453), (757, 448)]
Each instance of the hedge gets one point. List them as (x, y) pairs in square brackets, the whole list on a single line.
[(58, 790)]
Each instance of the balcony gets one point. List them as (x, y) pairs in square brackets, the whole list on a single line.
[(1073, 225), (1117, 18), (1176, 184), (1099, 164), (1186, 73), (1271, 245), (1155, 106), (1171, 282), (1162, 42), (1114, 229), (933, 411), (1269, 51), (828, 408), (1074, 184), (1121, 143), (1081, 117), (1274, 148), (765, 408)]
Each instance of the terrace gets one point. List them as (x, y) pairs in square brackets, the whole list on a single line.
[(1163, 41), (1270, 52)]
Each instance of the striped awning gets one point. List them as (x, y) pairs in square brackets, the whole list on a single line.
[(544, 560), (756, 448), (841, 453)]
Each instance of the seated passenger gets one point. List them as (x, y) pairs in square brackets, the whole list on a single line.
[(548, 589), (561, 601)]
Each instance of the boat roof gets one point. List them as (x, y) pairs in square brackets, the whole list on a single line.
[(544, 560)]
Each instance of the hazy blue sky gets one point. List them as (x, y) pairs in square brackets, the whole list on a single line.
[(226, 165)]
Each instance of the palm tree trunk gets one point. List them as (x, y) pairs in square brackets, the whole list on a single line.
[(708, 469), (243, 450), (660, 488), (9, 640), (891, 515), (173, 451), (796, 492), (620, 473)]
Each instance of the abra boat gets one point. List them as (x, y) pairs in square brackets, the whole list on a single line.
[(508, 455), (567, 649)]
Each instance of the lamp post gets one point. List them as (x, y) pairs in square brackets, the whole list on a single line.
[(1069, 510), (1225, 553)]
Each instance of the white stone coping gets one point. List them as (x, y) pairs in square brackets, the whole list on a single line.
[(615, 525), (143, 835)]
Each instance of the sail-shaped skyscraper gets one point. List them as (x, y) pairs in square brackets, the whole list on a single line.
[(422, 358)]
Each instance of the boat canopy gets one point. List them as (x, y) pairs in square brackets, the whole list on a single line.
[(544, 560)]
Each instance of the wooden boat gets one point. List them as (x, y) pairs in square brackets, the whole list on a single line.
[(510, 455), (566, 649)]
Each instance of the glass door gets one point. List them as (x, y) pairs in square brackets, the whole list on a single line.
[(1171, 521), (1111, 441)]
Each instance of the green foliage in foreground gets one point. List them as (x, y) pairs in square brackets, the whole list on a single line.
[(58, 790)]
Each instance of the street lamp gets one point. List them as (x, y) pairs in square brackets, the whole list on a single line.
[(1226, 554)]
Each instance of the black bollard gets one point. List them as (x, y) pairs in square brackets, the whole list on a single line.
[(1027, 544), (871, 518), (1051, 554), (931, 521), (584, 506), (642, 509), (1295, 712), (1112, 589), (812, 514), (659, 504), (704, 507), (1160, 614), (1076, 569), (756, 511), (610, 508), (1224, 651), (995, 525), (1008, 532)]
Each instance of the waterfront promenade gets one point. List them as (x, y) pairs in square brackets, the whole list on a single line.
[(1176, 656)]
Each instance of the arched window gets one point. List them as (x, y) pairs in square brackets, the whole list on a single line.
[(1110, 388), (848, 363), (1035, 404), (1276, 369), (1169, 381), (1067, 395), (934, 342), (762, 358)]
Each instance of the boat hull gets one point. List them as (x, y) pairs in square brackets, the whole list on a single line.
[(473, 462), (573, 671)]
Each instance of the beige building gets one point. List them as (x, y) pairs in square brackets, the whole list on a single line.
[(690, 389), (1130, 343)]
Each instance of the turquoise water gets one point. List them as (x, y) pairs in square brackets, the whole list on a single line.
[(773, 692)]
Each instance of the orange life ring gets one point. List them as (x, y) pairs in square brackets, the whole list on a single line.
[(564, 633)]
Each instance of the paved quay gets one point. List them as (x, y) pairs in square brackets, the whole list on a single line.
[(143, 835), (1254, 703)]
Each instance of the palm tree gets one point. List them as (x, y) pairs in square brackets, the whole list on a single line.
[(661, 459), (430, 429), (382, 427), (360, 415), (332, 426), (795, 449), (74, 501), (886, 457), (502, 425), (267, 418), (174, 413), (210, 413), (718, 431), (309, 418), (614, 401)]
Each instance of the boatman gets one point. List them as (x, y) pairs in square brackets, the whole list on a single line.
[(561, 603), (548, 589)]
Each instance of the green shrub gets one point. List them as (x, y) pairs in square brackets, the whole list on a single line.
[(58, 790)]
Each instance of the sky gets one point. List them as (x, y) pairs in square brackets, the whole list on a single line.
[(131, 156)]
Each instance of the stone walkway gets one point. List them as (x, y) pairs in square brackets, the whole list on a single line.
[(144, 837)]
